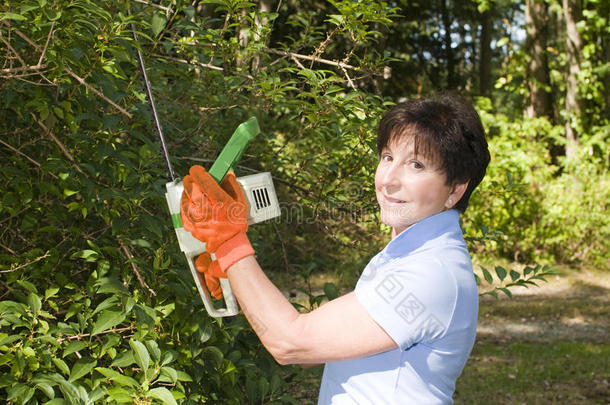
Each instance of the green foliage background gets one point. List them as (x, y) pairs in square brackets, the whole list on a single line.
[(96, 302)]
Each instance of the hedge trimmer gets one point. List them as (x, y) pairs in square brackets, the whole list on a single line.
[(258, 188)]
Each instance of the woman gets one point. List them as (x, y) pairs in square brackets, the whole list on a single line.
[(404, 334)]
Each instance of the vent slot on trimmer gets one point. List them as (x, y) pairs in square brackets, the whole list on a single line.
[(261, 197)]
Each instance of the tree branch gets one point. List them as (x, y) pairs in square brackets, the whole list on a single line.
[(311, 58), (23, 36), (46, 45), (284, 253), (135, 268), (25, 264), (296, 60), (97, 92), (349, 79), (11, 251), (199, 64), (19, 152), (166, 9), (23, 69), (84, 335), (64, 150), (320, 49)]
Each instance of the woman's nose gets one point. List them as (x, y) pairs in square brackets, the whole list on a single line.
[(389, 176)]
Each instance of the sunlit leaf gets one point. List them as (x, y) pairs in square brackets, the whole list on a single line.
[(162, 394)]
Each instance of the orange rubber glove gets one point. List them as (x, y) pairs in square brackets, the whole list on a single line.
[(216, 214), (210, 273)]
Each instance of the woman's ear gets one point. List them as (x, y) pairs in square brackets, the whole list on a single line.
[(457, 191)]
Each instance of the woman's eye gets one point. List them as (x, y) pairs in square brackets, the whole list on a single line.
[(386, 157), (417, 165)]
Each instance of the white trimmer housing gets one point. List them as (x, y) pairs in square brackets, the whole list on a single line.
[(263, 205)]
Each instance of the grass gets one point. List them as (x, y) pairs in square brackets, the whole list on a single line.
[(547, 345), (536, 373)]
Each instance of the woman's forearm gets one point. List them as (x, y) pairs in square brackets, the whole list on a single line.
[(270, 314)]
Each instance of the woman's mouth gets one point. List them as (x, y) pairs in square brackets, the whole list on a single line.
[(391, 201)]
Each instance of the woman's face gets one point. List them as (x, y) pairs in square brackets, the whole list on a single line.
[(410, 188)]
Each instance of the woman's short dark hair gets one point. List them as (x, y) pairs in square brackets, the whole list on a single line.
[(445, 129)]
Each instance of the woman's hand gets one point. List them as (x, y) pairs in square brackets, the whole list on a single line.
[(211, 212), (211, 271), (216, 214)]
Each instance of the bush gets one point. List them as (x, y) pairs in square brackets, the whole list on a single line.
[(96, 302), (541, 210)]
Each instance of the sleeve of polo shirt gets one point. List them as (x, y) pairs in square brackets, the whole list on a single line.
[(412, 300)]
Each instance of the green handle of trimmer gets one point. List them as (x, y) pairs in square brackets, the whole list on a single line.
[(233, 150)]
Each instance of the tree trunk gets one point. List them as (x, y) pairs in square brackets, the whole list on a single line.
[(572, 11), (538, 79), (448, 50), (485, 54), (241, 35), (261, 20)]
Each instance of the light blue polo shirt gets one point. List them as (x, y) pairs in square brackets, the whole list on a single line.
[(421, 290)]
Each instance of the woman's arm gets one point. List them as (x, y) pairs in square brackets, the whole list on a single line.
[(339, 330)]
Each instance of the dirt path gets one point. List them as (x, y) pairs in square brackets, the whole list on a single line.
[(574, 306)]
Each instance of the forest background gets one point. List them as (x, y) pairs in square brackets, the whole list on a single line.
[(96, 301)]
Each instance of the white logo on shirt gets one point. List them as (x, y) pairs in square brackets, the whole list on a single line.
[(389, 288), (410, 308), (432, 325)]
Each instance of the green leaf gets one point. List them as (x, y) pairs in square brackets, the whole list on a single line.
[(117, 377), (28, 351), (487, 275), (34, 303), (21, 392), (514, 276), (52, 15), (140, 354), (12, 16), (46, 389), (61, 365), (87, 254), (162, 394), (74, 347), (124, 359), (182, 376), (111, 286), (9, 339), (331, 291), (28, 286), (107, 303), (81, 368), (97, 394), (158, 23), (215, 354), (107, 320), (507, 292), (120, 395), (153, 349), (169, 357), (50, 292), (251, 390), (492, 293), (170, 375), (141, 243), (73, 310), (501, 272), (57, 401), (263, 387)]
